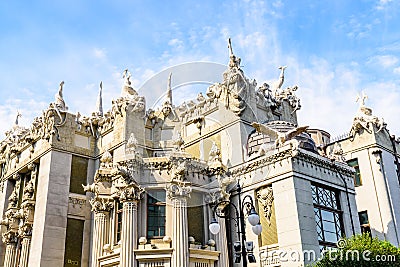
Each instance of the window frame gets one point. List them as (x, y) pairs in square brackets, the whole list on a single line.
[(118, 213), (334, 209), (157, 205), (357, 175)]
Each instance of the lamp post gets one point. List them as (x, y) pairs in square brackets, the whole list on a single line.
[(242, 249)]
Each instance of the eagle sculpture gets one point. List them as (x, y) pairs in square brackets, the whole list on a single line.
[(280, 138)]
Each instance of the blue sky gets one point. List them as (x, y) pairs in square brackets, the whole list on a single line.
[(333, 50)]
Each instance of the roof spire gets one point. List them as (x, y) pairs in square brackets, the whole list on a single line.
[(169, 89), (99, 103)]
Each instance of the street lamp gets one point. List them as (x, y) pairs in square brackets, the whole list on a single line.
[(242, 249)]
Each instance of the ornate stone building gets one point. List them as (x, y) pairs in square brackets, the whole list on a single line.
[(153, 181)]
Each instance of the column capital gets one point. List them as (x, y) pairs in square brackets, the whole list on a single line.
[(101, 205), (178, 189), (10, 237), (131, 193), (25, 230)]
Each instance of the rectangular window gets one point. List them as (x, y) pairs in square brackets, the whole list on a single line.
[(364, 222), (118, 221), (357, 176), (73, 243), (156, 214), (328, 215), (79, 166), (195, 214)]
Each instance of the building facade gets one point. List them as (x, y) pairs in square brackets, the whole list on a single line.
[(373, 152), (139, 187)]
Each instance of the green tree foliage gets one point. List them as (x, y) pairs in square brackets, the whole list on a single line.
[(361, 251)]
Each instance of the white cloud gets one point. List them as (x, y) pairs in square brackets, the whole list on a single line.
[(29, 109), (176, 43), (382, 4), (385, 61), (396, 70), (99, 53)]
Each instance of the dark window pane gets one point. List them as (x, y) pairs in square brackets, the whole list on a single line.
[(363, 216), (73, 243), (357, 176), (78, 177), (156, 214), (119, 206)]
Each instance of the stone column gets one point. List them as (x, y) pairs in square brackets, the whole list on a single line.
[(101, 208), (178, 192), (11, 240), (129, 197), (25, 247), (222, 244)]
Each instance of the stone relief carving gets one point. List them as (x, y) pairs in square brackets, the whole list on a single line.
[(127, 90), (281, 80), (223, 182), (106, 160), (266, 197), (234, 89), (289, 95), (14, 197), (132, 145), (364, 120), (55, 115), (129, 102), (215, 154), (178, 142), (179, 171), (59, 102), (76, 201), (337, 153), (264, 96)]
